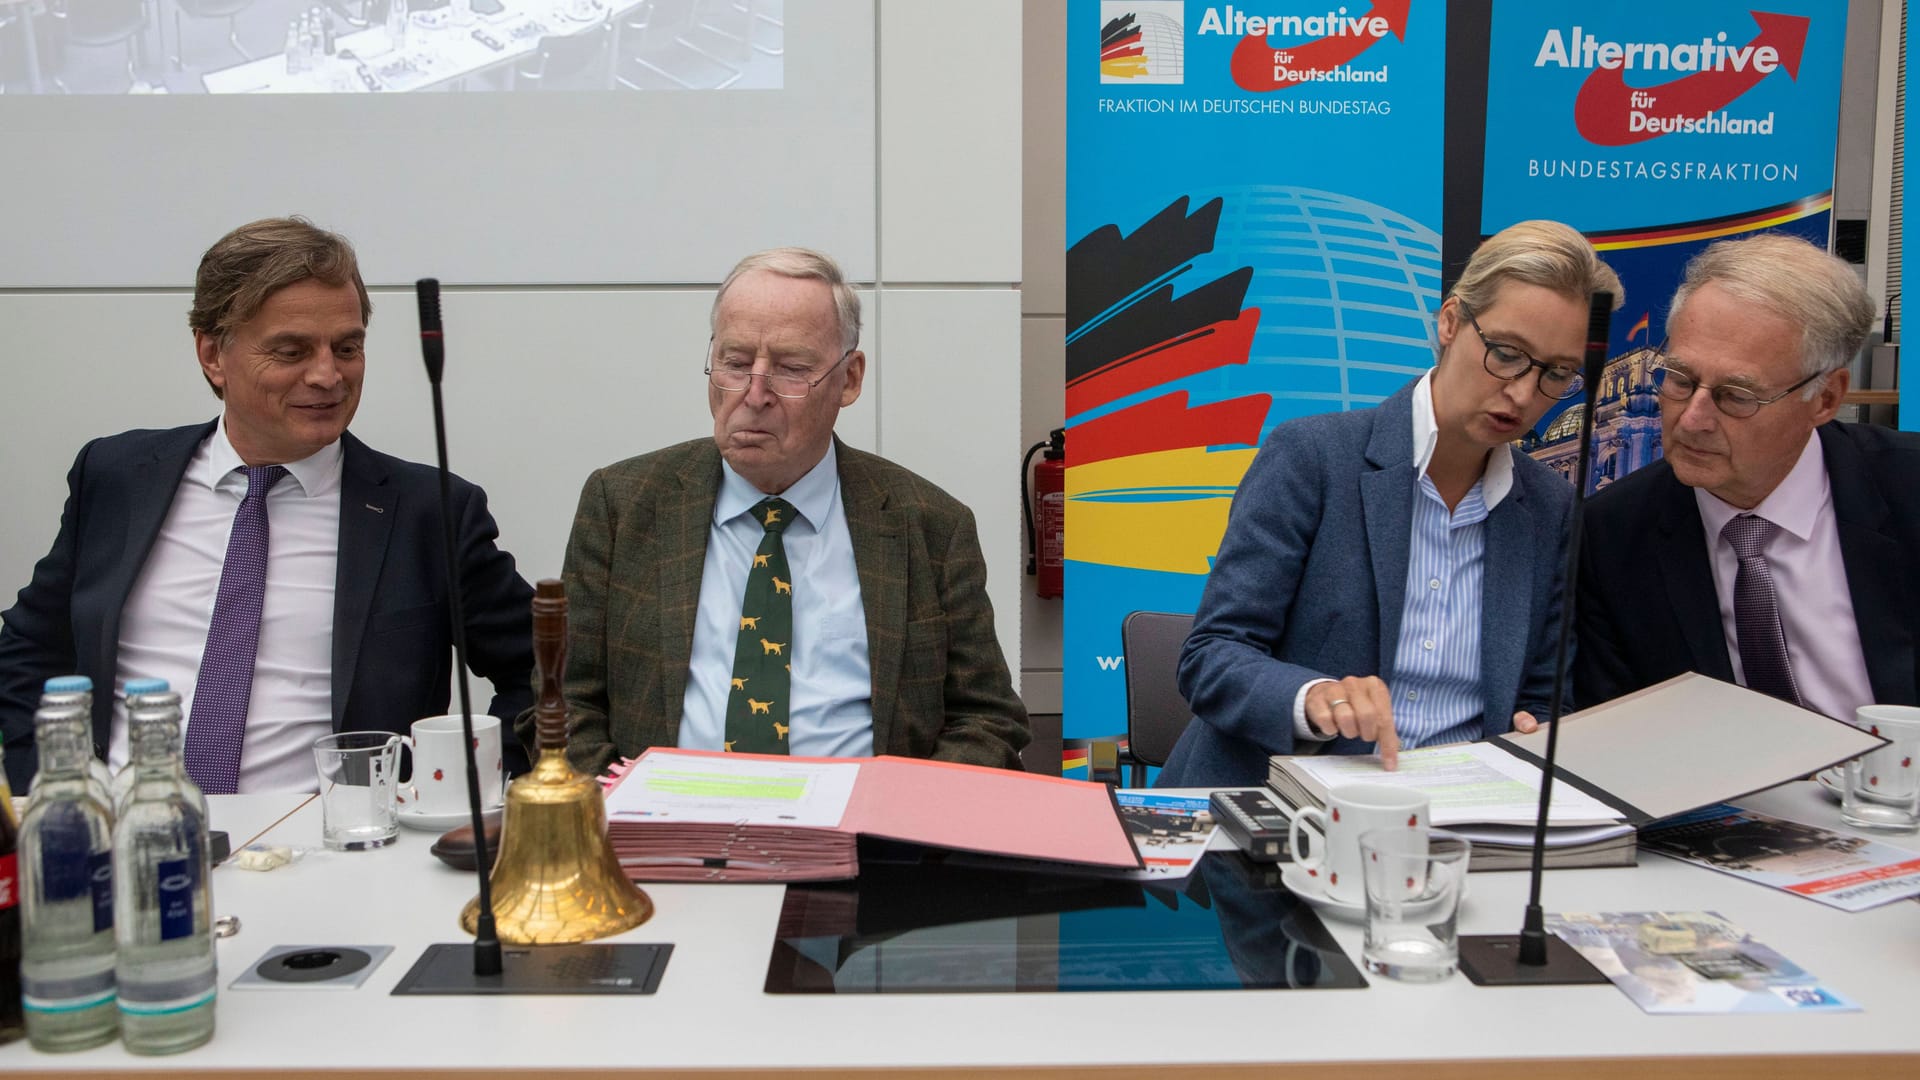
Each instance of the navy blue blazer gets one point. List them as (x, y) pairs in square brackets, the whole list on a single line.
[(1647, 609), (1310, 582), (392, 624)]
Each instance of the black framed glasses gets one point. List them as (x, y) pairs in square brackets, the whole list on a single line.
[(1676, 383), (734, 373), (1507, 363)]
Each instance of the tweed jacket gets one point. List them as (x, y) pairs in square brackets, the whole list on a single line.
[(633, 568)]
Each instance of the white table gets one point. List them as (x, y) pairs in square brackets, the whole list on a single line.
[(437, 50), (711, 1014)]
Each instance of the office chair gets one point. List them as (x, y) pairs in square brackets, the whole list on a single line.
[(1156, 713), (98, 23), (576, 61), (736, 24), (15, 48), (208, 9), (656, 54)]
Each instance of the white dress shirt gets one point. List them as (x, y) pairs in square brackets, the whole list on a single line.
[(163, 627), (1435, 676), (832, 697), (1810, 581)]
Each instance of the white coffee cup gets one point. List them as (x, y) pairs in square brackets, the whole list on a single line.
[(438, 784), (1882, 788), (1333, 860)]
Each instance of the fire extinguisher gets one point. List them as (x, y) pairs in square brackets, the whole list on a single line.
[(1047, 549)]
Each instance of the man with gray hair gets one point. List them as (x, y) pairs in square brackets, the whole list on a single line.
[(288, 580), (770, 589), (1773, 546)]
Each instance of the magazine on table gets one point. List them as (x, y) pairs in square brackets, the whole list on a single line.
[(1851, 873), (1693, 962)]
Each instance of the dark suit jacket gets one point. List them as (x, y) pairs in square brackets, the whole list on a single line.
[(634, 563), (392, 626), (1310, 582), (1647, 609)]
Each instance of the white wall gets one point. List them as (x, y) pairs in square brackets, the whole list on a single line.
[(546, 383), (1043, 306)]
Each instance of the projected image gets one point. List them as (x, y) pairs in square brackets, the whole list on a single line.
[(372, 46)]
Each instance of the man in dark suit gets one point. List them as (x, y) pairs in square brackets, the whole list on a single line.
[(770, 589), (1773, 546), (285, 578)]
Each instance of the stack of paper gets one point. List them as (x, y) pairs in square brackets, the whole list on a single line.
[(688, 815), (1673, 747), (1481, 792)]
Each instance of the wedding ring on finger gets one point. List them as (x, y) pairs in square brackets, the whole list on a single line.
[(1336, 702)]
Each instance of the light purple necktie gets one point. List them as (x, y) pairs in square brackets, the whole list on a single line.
[(1756, 610), (217, 727)]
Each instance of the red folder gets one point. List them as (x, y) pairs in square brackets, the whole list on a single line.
[(935, 804)]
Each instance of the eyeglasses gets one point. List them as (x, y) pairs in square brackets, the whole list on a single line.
[(1678, 384), (1507, 363), (733, 372)]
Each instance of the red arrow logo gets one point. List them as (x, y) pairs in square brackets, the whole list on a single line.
[(1602, 111), (1255, 66)]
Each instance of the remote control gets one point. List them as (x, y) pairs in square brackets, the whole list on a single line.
[(1255, 822)]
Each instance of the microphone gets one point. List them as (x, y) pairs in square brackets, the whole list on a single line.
[(486, 940), (432, 344), (548, 968), (1534, 957)]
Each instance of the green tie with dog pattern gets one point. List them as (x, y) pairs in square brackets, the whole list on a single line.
[(762, 658)]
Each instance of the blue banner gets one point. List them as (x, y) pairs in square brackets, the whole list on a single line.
[(1657, 130), (1909, 271), (1253, 230)]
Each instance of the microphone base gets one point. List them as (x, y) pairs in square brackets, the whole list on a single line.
[(1494, 960), (447, 969)]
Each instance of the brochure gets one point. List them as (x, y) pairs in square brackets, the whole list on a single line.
[(1693, 962), (1851, 873), (1171, 832)]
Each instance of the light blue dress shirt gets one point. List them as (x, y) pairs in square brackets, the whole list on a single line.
[(831, 703), (1436, 667)]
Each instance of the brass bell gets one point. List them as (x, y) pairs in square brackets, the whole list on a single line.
[(557, 879)]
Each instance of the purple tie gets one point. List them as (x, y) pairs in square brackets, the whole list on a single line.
[(218, 724), (1756, 610)]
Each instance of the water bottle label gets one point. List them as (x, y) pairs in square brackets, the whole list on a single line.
[(168, 999), (69, 994), (64, 847), (176, 899), (101, 878), (9, 880)]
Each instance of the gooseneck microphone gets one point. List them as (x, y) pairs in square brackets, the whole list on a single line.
[(433, 347), (1535, 957), (486, 942)]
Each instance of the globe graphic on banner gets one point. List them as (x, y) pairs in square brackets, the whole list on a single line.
[(1165, 42), (1300, 301), (1347, 292)]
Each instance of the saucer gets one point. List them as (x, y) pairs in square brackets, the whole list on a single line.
[(1834, 780), (1308, 888), (425, 822)]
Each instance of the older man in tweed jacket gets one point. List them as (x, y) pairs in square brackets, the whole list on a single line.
[(771, 589)]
